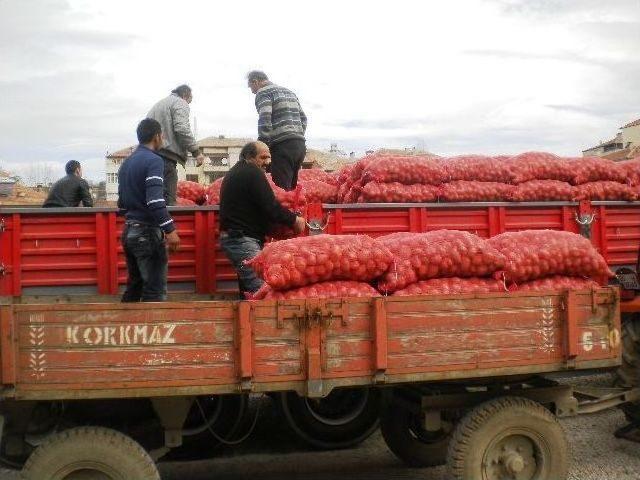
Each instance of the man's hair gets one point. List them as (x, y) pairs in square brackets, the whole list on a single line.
[(71, 167), (182, 91), (257, 75), (147, 129), (249, 151)]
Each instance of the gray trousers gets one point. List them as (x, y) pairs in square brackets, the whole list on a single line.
[(170, 176)]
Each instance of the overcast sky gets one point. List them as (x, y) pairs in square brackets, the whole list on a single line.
[(475, 76)]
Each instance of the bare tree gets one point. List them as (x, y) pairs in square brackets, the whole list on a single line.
[(40, 173)]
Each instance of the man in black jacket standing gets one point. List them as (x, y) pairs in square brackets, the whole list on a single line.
[(71, 190), (248, 208), (281, 125)]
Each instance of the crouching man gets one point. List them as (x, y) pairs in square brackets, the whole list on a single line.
[(248, 209)]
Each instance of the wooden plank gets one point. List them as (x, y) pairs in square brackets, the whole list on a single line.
[(380, 334), (7, 345), (140, 376), (245, 340), (571, 325)]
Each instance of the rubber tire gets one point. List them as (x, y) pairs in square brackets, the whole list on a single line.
[(475, 432), (202, 445), (122, 455), (396, 426), (329, 437), (628, 374)]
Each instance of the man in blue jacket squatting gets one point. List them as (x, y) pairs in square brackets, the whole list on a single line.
[(149, 230)]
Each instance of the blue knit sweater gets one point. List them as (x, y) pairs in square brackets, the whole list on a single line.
[(140, 189)]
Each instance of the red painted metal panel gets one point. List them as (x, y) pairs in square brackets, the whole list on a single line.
[(16, 256), (7, 253), (622, 234), (82, 248)]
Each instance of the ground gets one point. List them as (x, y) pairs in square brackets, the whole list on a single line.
[(270, 454)]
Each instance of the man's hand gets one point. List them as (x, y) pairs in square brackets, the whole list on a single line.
[(173, 241), (299, 225), (200, 159)]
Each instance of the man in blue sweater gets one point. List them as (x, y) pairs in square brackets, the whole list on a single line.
[(149, 229)]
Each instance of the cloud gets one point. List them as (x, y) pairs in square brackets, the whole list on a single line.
[(507, 76)]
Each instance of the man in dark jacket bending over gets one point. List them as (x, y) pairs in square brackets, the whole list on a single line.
[(248, 208), (71, 190)]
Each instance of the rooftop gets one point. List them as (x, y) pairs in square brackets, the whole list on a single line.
[(219, 141), (222, 141), (635, 123), (624, 154), (616, 139)]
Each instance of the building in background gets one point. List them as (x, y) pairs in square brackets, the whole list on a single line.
[(223, 152), (625, 145)]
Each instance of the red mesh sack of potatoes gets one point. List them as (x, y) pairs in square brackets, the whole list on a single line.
[(212, 192), (440, 253), (604, 191), (334, 289), (632, 170), (184, 202), (306, 260), (192, 191), (407, 170), (291, 199), (398, 193), (558, 282), (306, 174), (316, 191), (343, 191), (542, 191), (478, 168), (596, 169), (533, 254), (464, 191), (360, 166), (540, 166), (353, 193), (452, 286)]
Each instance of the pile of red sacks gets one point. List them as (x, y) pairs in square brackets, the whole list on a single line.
[(440, 262), (382, 178), (530, 176), (322, 265)]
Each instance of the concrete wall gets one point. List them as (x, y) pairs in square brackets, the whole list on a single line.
[(632, 135)]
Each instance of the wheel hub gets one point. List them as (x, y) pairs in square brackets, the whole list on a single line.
[(511, 458), (514, 463)]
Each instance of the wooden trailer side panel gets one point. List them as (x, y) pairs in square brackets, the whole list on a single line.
[(313, 345)]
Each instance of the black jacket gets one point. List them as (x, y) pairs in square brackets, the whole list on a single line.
[(248, 204), (69, 191)]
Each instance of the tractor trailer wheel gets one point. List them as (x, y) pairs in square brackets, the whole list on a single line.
[(90, 453), (508, 438), (344, 418), (407, 438), (628, 375)]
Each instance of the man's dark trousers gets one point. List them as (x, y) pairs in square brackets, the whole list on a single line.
[(286, 159), (170, 176), (147, 263)]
